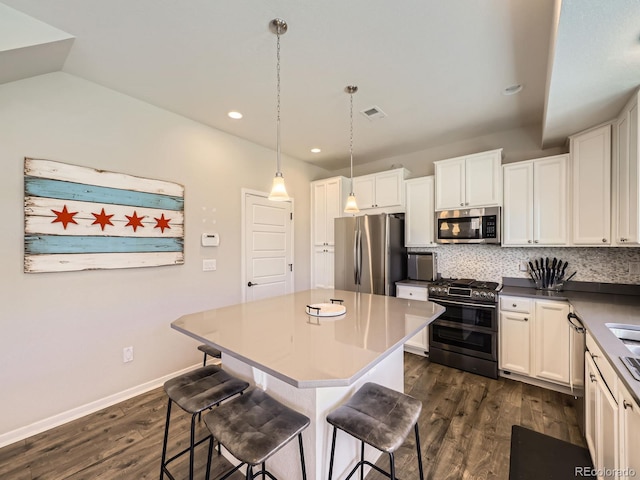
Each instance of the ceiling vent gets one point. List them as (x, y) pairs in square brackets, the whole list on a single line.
[(373, 113)]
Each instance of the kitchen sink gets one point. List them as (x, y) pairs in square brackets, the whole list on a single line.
[(628, 334)]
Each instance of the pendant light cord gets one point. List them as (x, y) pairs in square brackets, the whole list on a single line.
[(351, 138), (278, 172)]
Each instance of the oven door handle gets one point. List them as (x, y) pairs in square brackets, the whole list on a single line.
[(492, 307)]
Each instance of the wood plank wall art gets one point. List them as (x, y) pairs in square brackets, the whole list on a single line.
[(79, 218)]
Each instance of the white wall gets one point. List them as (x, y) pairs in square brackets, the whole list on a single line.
[(62, 334)]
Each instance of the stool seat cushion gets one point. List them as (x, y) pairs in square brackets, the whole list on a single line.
[(254, 426), (203, 388), (212, 352), (378, 416)]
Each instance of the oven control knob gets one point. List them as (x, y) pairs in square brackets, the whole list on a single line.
[(476, 294), (492, 296), (484, 294)]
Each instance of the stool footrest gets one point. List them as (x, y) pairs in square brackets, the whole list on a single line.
[(365, 462)]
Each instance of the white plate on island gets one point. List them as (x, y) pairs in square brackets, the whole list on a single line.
[(326, 309)]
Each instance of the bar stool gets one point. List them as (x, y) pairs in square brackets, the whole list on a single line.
[(210, 351), (194, 392), (252, 428), (380, 417)]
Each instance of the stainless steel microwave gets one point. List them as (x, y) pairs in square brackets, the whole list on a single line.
[(471, 225)]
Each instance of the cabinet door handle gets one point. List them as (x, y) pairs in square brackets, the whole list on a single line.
[(627, 405), (467, 203), (514, 305), (593, 356), (593, 377), (251, 284), (535, 241), (462, 204), (604, 240), (529, 241), (526, 319)]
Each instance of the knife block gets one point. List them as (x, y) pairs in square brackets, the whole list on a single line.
[(554, 287)]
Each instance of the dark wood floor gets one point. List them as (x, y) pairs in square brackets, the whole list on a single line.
[(465, 429)]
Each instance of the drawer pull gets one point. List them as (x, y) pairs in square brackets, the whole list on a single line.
[(514, 305), (627, 405), (593, 377), (526, 319)]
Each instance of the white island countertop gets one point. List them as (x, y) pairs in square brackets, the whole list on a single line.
[(277, 336)]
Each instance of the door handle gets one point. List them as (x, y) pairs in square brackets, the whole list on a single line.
[(251, 284)]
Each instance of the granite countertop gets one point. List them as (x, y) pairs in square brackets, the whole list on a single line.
[(277, 336), (596, 310)]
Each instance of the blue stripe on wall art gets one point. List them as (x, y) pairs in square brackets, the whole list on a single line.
[(58, 244), (43, 187)]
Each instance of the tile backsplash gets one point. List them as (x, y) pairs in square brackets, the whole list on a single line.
[(492, 262)]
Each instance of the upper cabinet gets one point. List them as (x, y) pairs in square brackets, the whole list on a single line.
[(328, 198), (626, 176), (591, 185), (535, 202), (381, 190), (419, 217), (469, 181)]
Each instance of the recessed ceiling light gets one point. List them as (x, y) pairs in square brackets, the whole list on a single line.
[(512, 89), (235, 115), (315, 150)]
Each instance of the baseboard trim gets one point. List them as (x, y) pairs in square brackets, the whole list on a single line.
[(78, 412)]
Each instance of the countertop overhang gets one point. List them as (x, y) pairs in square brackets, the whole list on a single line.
[(277, 336)]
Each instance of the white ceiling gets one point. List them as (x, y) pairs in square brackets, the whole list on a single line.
[(436, 68)]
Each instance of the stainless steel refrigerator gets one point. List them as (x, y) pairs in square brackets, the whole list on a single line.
[(370, 255)]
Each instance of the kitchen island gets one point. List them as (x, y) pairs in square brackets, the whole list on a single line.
[(313, 364)]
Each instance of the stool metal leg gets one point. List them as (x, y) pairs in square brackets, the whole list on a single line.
[(192, 445), (333, 450), (419, 453), (211, 440), (204, 360), (164, 443), (304, 470), (392, 467), (362, 460), (264, 469), (249, 472)]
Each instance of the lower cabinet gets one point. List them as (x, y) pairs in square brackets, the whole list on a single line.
[(323, 268), (419, 343), (612, 419), (535, 340), (629, 415)]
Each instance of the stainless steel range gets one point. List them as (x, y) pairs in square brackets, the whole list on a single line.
[(466, 335)]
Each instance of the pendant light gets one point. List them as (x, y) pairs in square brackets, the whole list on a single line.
[(278, 190), (352, 206)]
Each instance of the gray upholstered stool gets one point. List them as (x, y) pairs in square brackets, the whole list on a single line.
[(253, 427), (210, 351), (194, 392), (380, 417)]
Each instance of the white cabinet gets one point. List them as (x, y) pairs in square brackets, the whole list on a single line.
[(419, 343), (469, 181), (535, 202), (591, 186), (534, 340), (328, 198), (629, 430), (626, 176), (601, 419), (323, 268), (419, 217), (381, 190), (552, 334), (515, 341)]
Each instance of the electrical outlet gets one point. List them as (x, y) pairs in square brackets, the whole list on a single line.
[(127, 354), (634, 268), (524, 267), (209, 264)]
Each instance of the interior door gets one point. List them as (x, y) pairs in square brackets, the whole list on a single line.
[(268, 247)]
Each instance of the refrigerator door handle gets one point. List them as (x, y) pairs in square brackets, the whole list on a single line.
[(355, 257), (358, 257)]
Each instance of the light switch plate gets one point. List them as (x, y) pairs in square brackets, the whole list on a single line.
[(208, 264)]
